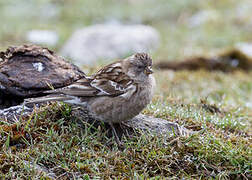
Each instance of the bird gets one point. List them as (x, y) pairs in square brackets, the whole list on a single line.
[(114, 94)]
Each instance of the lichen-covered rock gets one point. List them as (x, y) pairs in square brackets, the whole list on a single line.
[(14, 113), (157, 125), (28, 70)]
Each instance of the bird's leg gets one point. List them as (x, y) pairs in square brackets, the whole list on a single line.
[(115, 134)]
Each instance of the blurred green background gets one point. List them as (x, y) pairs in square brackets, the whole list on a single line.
[(186, 27)]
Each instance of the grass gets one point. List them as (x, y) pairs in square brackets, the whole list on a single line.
[(215, 104), (55, 140)]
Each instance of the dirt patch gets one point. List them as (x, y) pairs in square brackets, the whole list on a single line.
[(226, 62)]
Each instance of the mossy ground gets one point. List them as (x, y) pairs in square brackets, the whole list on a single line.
[(222, 148)]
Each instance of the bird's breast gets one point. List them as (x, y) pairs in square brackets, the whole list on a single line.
[(122, 108)]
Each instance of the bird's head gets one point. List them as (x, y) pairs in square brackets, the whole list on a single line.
[(138, 66)]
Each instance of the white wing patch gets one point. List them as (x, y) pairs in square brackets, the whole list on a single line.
[(129, 91), (115, 68), (129, 83), (116, 65), (77, 86), (110, 69), (117, 86), (94, 84), (75, 100)]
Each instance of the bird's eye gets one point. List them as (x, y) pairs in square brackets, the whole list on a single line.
[(139, 67)]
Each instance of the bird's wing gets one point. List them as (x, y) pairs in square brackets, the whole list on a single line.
[(109, 81), (43, 99), (79, 88)]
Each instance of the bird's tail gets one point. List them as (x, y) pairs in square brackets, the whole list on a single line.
[(43, 99)]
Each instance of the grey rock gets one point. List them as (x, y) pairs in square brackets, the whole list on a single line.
[(104, 42), (145, 123), (13, 114), (40, 169), (157, 125)]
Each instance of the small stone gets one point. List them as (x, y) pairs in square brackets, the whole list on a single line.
[(43, 37), (245, 48)]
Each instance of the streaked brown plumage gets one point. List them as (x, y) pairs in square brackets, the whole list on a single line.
[(116, 93)]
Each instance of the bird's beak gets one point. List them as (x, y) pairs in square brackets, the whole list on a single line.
[(148, 70)]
